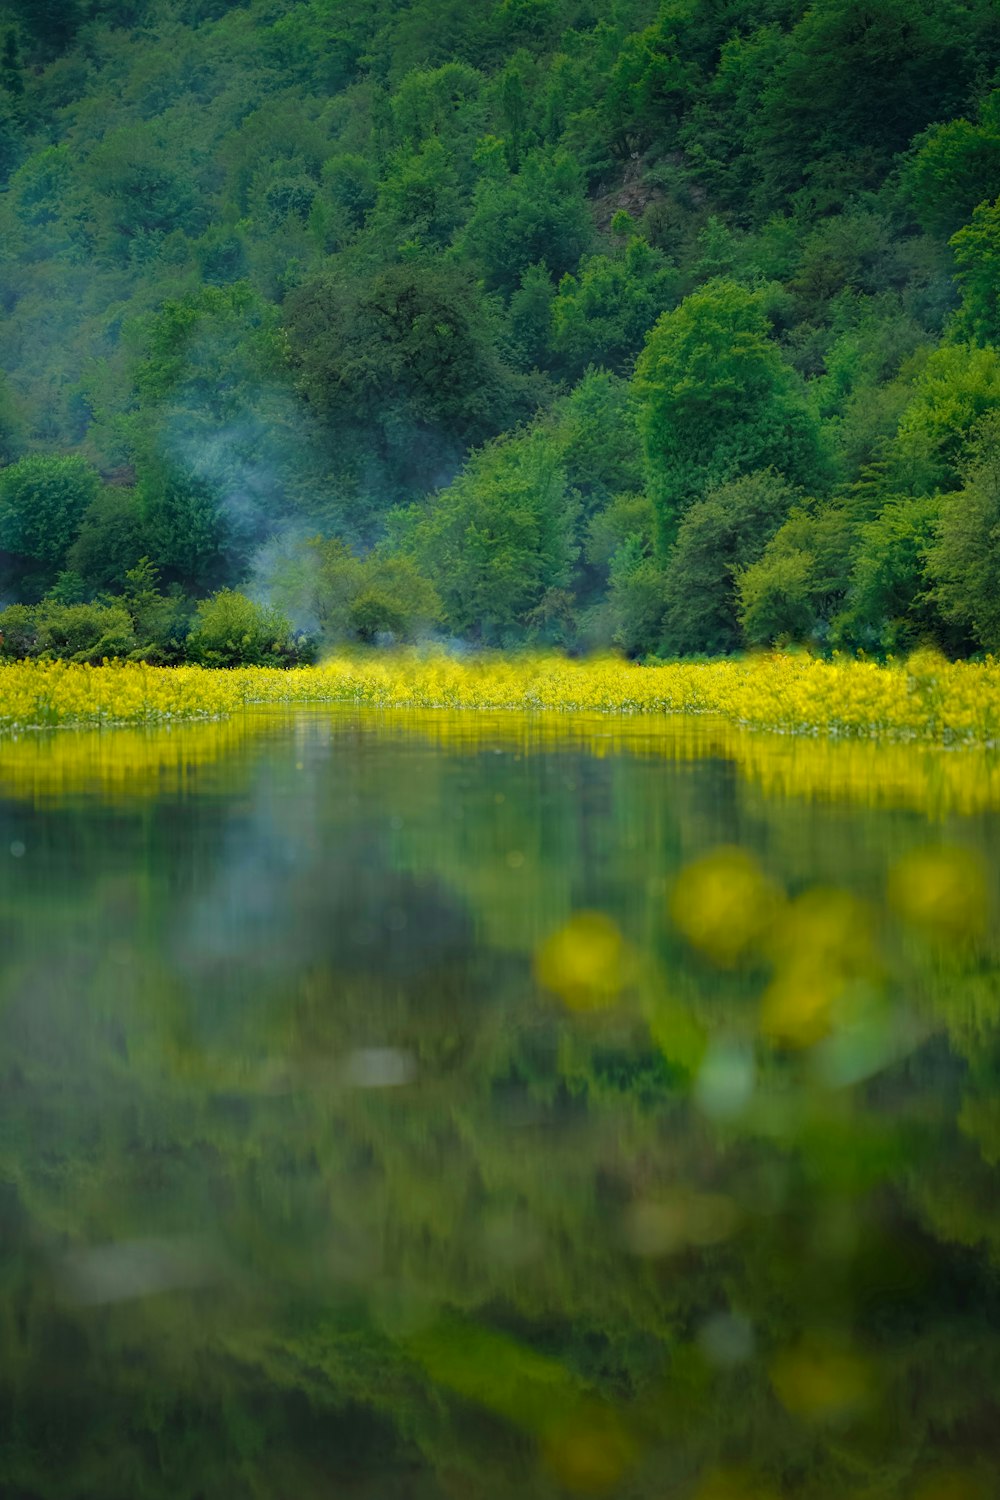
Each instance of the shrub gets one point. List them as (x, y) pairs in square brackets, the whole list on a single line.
[(83, 632), (230, 630), (18, 632)]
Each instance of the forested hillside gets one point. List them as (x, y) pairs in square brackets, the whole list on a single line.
[(673, 327)]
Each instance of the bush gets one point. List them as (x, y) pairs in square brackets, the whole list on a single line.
[(42, 502), (18, 632), (83, 632), (161, 621), (230, 630)]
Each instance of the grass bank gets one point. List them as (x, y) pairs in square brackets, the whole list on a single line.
[(926, 698)]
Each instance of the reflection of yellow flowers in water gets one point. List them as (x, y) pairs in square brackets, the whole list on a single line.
[(821, 1383), (941, 891), (587, 962), (823, 945), (724, 904), (131, 763)]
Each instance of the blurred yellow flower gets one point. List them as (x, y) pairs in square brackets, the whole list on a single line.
[(587, 962), (942, 891), (822, 946), (724, 905)]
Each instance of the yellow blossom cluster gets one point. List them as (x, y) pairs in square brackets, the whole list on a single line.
[(925, 698)]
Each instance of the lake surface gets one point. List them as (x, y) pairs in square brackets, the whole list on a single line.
[(401, 1105)]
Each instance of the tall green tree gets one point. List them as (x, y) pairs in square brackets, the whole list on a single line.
[(719, 537), (964, 562), (42, 503), (404, 371), (499, 539), (716, 400), (977, 255)]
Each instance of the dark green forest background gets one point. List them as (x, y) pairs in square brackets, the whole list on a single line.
[(671, 327)]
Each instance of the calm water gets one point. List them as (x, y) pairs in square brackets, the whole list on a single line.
[(401, 1106)]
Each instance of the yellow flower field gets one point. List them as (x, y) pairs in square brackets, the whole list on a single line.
[(926, 698)]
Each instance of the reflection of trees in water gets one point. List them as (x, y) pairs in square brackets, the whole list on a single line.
[(459, 1240)]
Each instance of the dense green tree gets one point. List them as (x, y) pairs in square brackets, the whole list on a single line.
[(230, 630), (345, 597), (636, 598), (718, 538), (791, 592), (977, 254), (499, 539), (420, 203), (602, 315), (593, 429), (42, 504), (854, 83), (958, 386), (964, 562), (717, 401), (11, 135), (113, 536), (350, 182), (538, 216), (888, 606), (11, 75), (645, 91), (289, 267), (530, 319), (190, 535), (954, 167), (145, 190), (83, 632), (51, 24), (404, 371)]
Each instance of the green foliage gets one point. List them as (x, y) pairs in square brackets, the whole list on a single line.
[(83, 632), (51, 24), (278, 272), (352, 598), (853, 85), (499, 539), (404, 372), (230, 630), (145, 190), (18, 633), (636, 598), (958, 387), (888, 608), (964, 563), (625, 516), (186, 530), (113, 536), (717, 401), (602, 315), (718, 539), (955, 166), (42, 504), (977, 255), (799, 581), (161, 621), (536, 217)]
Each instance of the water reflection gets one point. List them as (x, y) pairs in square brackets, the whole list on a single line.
[(476, 1106)]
